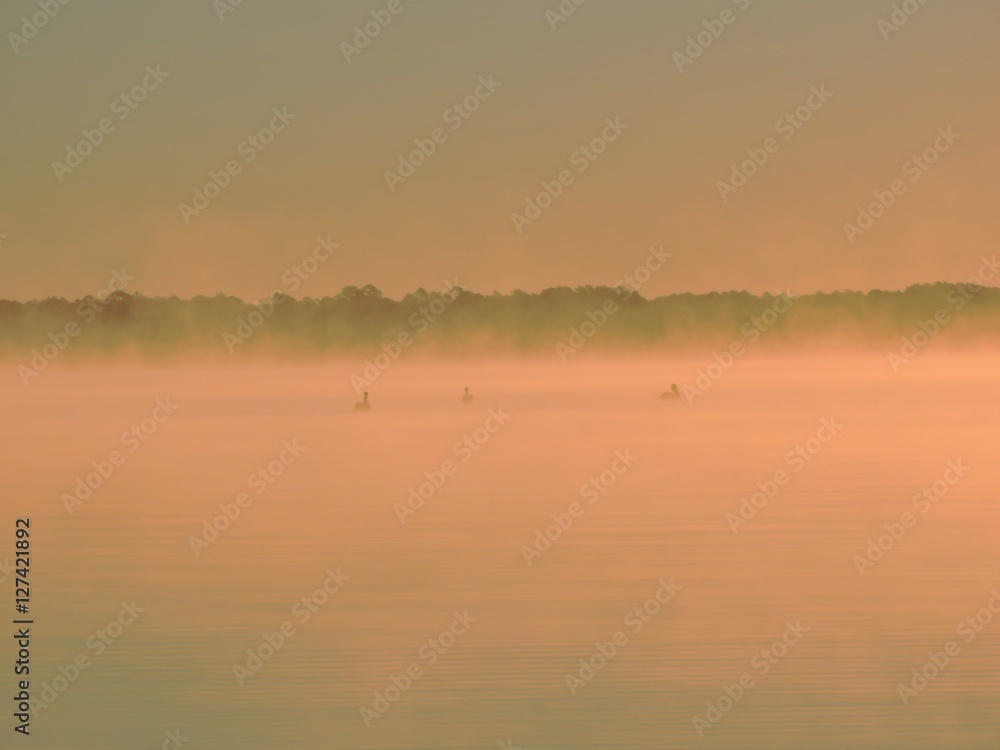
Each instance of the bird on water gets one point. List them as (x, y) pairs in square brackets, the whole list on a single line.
[(363, 405), (672, 395)]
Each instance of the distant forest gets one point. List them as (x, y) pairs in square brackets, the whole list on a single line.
[(362, 321)]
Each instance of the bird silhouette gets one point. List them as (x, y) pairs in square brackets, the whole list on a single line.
[(672, 395)]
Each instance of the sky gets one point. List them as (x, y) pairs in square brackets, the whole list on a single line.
[(638, 129)]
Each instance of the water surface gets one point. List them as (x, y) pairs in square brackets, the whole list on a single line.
[(664, 518)]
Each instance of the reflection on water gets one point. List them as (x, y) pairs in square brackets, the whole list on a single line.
[(566, 562)]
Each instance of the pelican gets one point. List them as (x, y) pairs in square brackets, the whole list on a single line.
[(467, 398), (672, 395), (363, 405)]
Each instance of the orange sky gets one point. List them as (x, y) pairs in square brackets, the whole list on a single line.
[(538, 95)]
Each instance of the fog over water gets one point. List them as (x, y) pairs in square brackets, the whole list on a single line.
[(802, 535)]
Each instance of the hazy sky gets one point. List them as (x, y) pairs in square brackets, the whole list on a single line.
[(657, 183)]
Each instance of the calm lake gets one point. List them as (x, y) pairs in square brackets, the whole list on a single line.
[(568, 562)]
